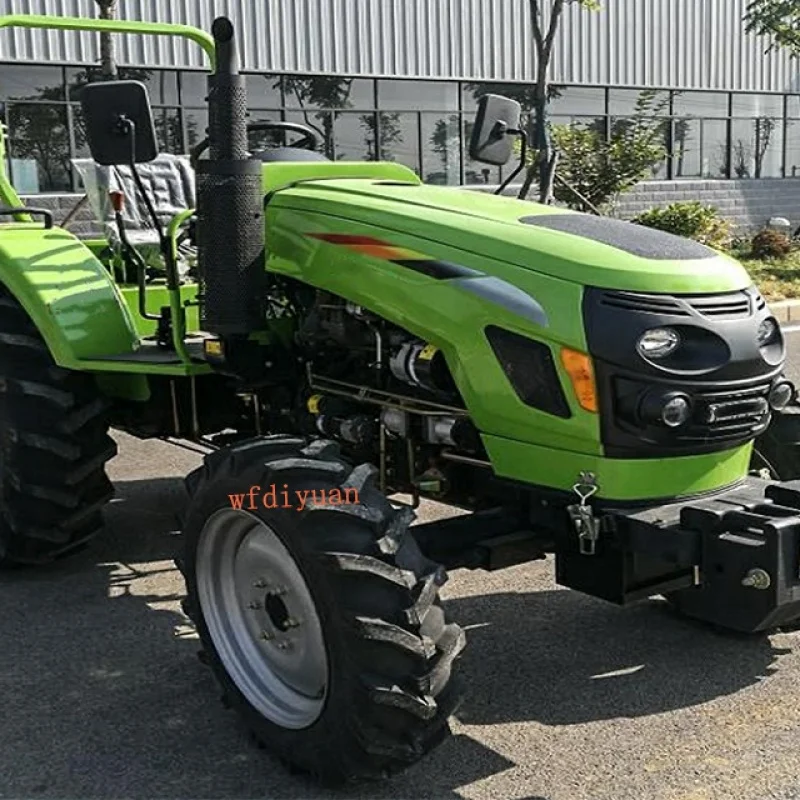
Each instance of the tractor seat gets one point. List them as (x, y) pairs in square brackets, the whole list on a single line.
[(169, 181), (289, 154)]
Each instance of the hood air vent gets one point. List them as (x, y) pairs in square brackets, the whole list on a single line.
[(732, 305)]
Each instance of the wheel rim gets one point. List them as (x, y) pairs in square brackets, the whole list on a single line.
[(262, 619)]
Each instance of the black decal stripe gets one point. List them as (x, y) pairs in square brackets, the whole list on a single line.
[(441, 270)]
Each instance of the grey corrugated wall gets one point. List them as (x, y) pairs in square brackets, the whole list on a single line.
[(680, 43)]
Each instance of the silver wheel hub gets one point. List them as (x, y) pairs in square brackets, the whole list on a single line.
[(262, 619)]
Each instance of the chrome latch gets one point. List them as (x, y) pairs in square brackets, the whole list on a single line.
[(586, 525)]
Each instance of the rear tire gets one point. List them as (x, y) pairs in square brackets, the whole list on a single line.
[(371, 686), (54, 444)]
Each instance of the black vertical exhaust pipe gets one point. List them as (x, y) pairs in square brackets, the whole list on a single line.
[(230, 229)]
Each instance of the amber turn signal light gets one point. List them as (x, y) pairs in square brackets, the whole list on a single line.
[(581, 372)]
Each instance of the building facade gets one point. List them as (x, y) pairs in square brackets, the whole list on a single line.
[(399, 80)]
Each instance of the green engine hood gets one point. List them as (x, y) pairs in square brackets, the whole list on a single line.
[(491, 227)]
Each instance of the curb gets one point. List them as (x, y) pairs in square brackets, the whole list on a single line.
[(786, 310)]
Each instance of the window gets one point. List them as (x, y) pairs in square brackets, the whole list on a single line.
[(793, 149), (327, 91), (395, 95), (258, 140), (757, 105), (578, 101), (169, 131), (686, 148), (162, 85), (757, 148), (622, 102), (31, 83), (39, 148), (471, 93), (195, 123), (715, 153), (399, 134), (264, 90), (354, 136), (441, 154), (193, 88), (700, 104), (321, 122)]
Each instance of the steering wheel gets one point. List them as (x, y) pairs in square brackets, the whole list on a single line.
[(309, 139)]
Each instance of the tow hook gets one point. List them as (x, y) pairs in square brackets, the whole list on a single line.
[(757, 579), (586, 525)]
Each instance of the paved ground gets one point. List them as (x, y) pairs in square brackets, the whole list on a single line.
[(101, 694)]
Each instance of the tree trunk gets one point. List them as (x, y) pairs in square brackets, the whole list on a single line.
[(108, 62)]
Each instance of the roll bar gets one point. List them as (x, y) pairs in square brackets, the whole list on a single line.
[(114, 26), (8, 195)]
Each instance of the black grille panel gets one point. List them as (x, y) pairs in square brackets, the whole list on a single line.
[(530, 368), (734, 415), (732, 305)]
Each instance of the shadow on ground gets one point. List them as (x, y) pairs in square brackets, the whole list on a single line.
[(103, 696)]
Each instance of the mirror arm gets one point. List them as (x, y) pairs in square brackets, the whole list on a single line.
[(523, 157), (128, 127)]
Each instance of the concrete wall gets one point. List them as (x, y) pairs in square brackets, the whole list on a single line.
[(749, 204)]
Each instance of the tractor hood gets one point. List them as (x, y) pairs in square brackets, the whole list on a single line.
[(580, 248)]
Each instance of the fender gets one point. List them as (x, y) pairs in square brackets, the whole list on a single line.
[(67, 292)]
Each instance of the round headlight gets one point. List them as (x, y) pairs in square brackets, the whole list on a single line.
[(781, 395), (767, 331), (658, 343), (676, 412)]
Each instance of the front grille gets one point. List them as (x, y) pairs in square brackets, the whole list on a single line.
[(733, 415), (650, 303), (731, 305)]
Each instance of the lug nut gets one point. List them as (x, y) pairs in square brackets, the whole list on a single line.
[(291, 622), (757, 579), (266, 636), (278, 591), (260, 584), (254, 606)]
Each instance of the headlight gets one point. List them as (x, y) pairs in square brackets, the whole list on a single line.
[(781, 395), (676, 412), (672, 409), (658, 343), (767, 331)]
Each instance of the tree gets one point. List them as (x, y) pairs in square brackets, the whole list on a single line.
[(778, 19), (444, 142), (544, 35), (594, 168), (324, 94), (107, 10), (387, 127)]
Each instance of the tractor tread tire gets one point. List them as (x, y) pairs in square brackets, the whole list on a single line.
[(392, 654), (54, 445)]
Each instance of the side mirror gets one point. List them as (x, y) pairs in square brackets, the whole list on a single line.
[(496, 125), (119, 122)]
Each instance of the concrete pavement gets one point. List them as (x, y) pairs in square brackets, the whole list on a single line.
[(101, 694)]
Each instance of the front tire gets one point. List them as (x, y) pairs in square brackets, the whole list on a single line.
[(323, 626)]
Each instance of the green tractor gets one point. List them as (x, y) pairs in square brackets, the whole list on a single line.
[(339, 334)]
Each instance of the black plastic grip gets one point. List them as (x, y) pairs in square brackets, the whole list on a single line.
[(40, 212)]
